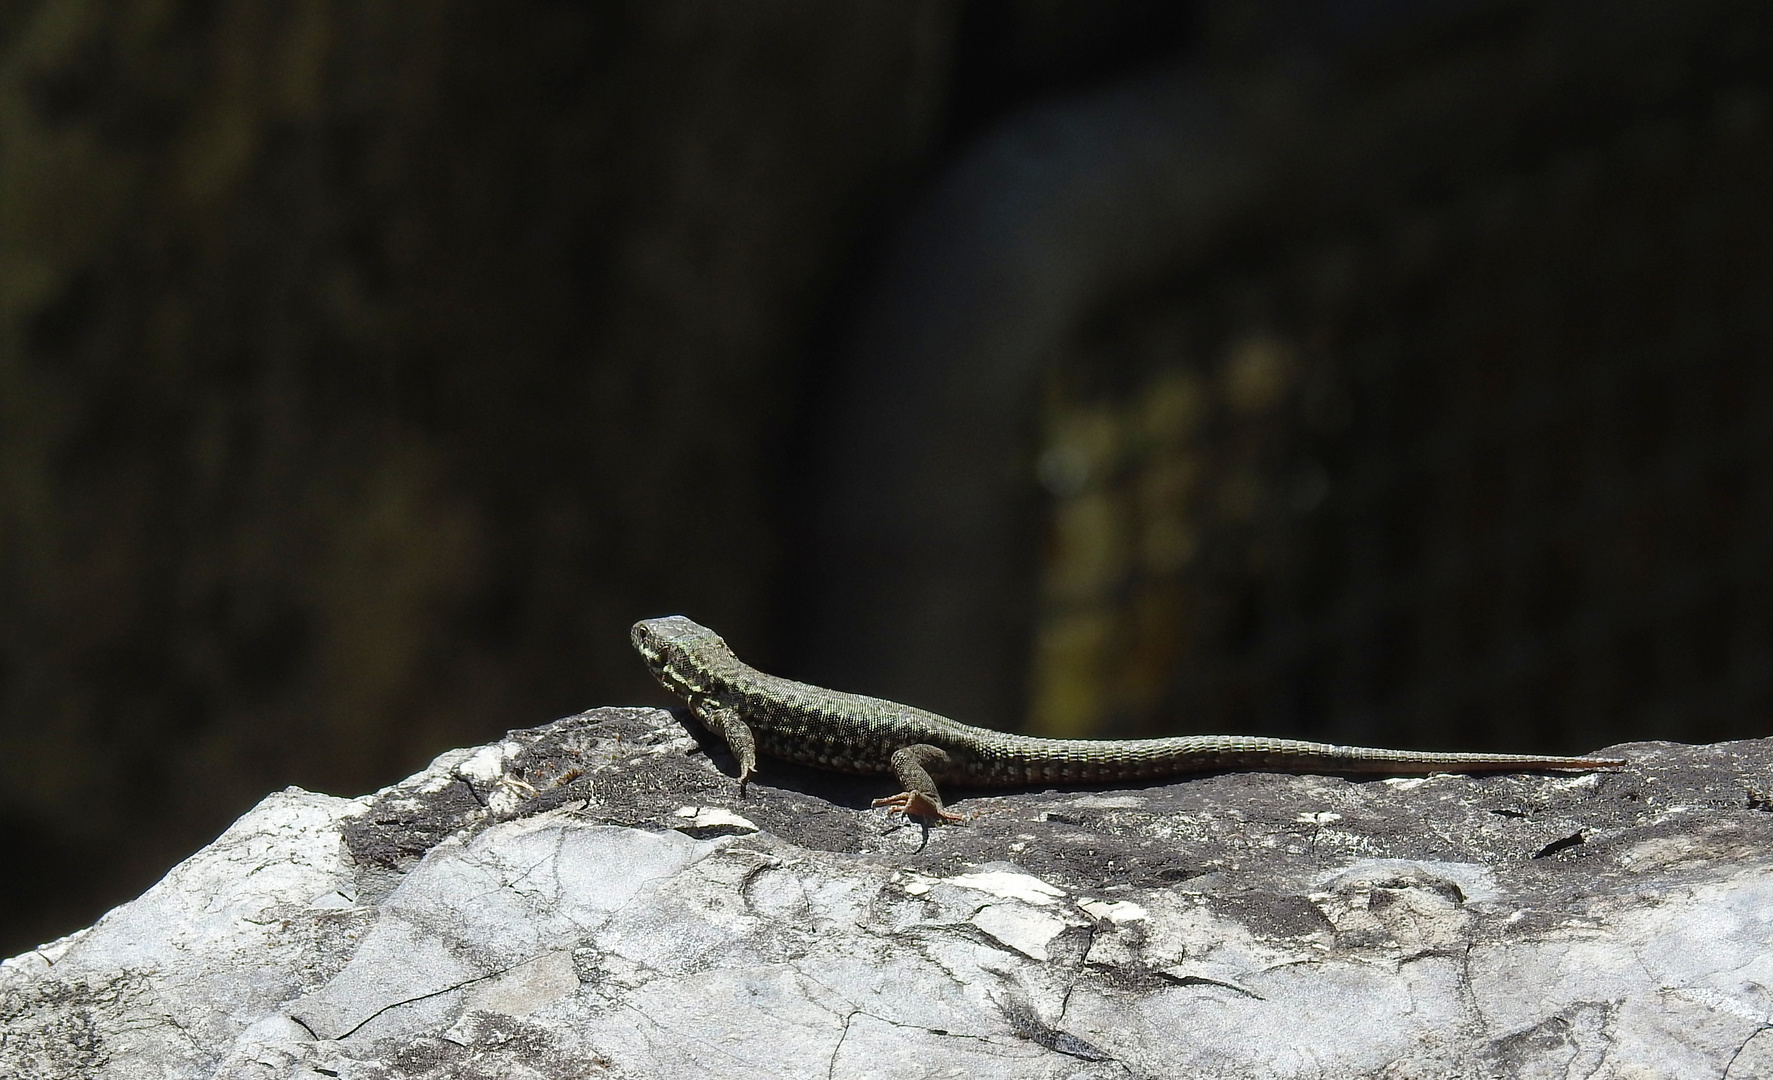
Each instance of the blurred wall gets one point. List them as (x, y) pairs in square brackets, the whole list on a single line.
[(366, 369), (1395, 374)]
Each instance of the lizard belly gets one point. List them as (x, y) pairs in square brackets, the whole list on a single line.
[(805, 748)]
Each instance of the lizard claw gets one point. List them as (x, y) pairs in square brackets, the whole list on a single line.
[(916, 803)]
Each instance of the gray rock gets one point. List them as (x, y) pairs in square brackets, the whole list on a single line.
[(593, 899)]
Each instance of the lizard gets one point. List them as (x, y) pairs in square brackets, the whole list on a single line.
[(828, 729)]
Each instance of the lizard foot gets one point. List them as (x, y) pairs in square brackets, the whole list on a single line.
[(916, 803)]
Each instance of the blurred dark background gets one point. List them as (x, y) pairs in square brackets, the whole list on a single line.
[(1364, 370)]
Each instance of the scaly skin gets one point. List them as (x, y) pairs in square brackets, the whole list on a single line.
[(757, 713)]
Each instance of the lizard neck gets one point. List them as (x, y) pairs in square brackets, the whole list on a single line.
[(700, 675)]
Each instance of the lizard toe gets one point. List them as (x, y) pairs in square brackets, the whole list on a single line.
[(917, 804)]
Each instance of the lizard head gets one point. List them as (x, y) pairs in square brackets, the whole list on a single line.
[(680, 653)]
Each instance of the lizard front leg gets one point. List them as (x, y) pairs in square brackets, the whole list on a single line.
[(912, 765), (727, 724)]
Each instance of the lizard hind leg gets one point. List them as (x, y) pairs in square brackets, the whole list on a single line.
[(912, 765)]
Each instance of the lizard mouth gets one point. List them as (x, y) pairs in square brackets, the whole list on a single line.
[(657, 652), (648, 647)]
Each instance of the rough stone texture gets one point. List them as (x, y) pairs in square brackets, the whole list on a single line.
[(592, 898)]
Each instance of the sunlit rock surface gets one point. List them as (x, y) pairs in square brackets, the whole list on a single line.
[(593, 899)]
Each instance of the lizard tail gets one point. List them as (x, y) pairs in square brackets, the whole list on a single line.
[(1025, 759)]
